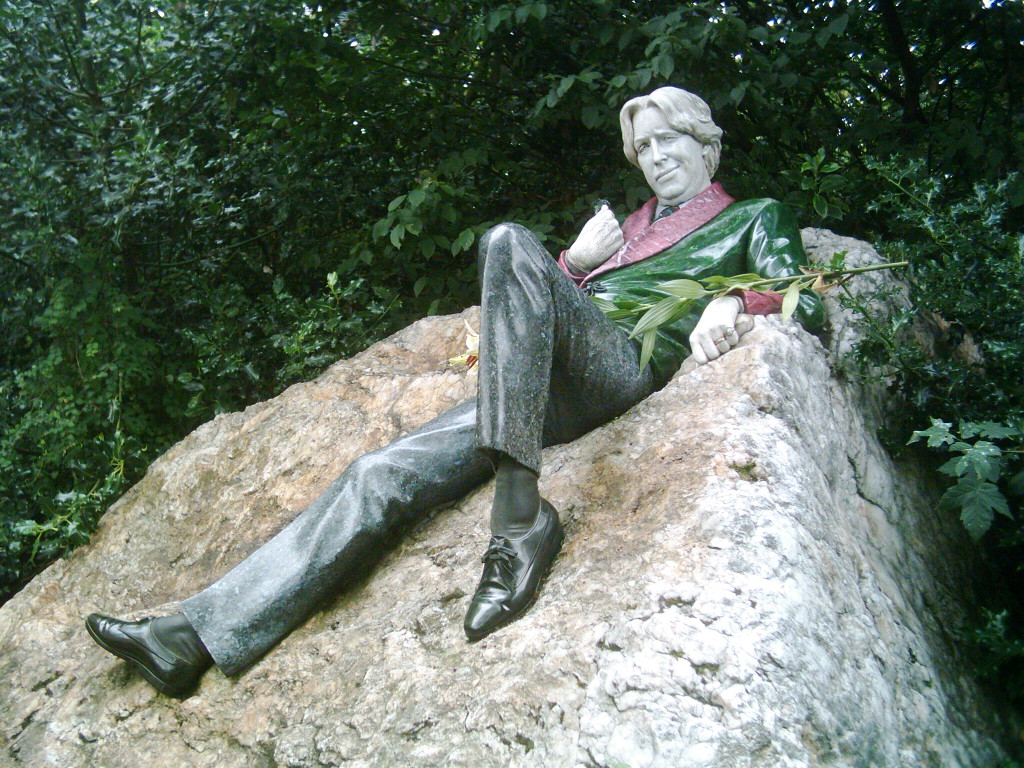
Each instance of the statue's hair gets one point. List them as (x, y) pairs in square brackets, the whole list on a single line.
[(685, 112)]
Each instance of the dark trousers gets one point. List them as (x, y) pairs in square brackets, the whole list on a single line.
[(552, 367)]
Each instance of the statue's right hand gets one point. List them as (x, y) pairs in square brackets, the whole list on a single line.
[(598, 241)]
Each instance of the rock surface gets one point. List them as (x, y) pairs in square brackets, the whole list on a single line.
[(748, 580)]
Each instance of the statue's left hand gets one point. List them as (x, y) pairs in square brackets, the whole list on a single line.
[(719, 329)]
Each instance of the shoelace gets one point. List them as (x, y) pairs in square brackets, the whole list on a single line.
[(499, 549)]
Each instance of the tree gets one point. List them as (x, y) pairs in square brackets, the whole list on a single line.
[(206, 202)]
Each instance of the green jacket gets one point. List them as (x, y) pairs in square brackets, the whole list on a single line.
[(758, 236)]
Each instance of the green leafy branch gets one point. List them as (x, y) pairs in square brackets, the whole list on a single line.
[(979, 466), (684, 293)]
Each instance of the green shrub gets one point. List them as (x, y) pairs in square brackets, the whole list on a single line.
[(967, 282)]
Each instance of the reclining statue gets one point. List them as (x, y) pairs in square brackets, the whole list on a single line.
[(552, 368)]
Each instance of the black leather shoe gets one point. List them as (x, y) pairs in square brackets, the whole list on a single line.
[(513, 569), (171, 659)]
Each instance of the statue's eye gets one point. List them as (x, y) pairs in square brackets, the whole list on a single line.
[(641, 148)]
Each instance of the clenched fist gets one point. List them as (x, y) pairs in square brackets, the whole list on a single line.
[(598, 241)]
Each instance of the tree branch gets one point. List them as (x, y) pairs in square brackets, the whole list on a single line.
[(900, 46)]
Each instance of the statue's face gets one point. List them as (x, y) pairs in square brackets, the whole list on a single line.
[(672, 162)]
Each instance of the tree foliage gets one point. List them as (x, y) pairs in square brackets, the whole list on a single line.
[(204, 202)]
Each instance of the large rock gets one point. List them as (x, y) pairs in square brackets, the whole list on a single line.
[(747, 580)]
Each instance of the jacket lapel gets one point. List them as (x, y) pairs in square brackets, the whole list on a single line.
[(645, 239)]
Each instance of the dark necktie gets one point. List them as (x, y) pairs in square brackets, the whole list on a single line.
[(668, 210)]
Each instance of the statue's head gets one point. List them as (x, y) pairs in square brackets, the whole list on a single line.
[(670, 136)]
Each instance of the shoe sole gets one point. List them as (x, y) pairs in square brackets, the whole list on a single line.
[(513, 615), (156, 682)]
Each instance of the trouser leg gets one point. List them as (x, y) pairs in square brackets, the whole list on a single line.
[(246, 612), (552, 366)]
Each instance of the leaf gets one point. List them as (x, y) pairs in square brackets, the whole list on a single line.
[(416, 198), (985, 460), (990, 429), (591, 115), (397, 234), (665, 311), (27, 528), (620, 313), (745, 280), (603, 304), (664, 65), (647, 347), (820, 206), (381, 227), (684, 289), (831, 184), (1016, 484), (938, 434), (978, 502), (951, 467), (495, 19), (395, 203), (838, 25), (760, 34), (419, 285), (463, 241), (790, 299), (982, 460)]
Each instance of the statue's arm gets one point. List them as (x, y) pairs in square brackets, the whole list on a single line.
[(776, 250)]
